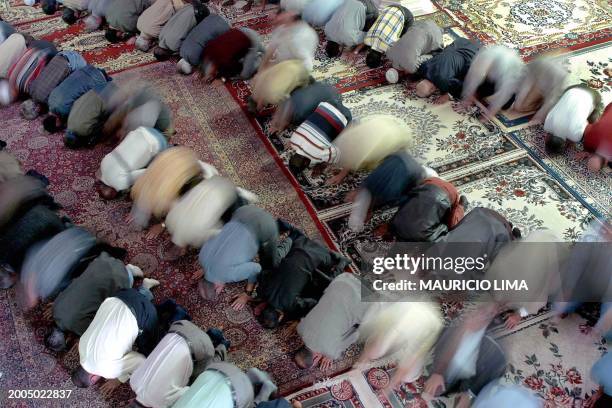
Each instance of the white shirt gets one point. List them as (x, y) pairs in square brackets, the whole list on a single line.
[(121, 167), (105, 349), (295, 41), (568, 118), (161, 380), (196, 217)]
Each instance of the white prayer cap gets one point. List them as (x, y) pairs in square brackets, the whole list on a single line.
[(184, 67), (392, 76), (29, 2)]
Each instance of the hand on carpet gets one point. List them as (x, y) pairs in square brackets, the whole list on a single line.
[(582, 155), (463, 401), (197, 275), (324, 363), (48, 312), (337, 179), (434, 385), (318, 170), (590, 402), (155, 231), (512, 320), (442, 99), (239, 301), (75, 347), (108, 388)]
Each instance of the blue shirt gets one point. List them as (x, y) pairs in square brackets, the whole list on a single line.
[(228, 257)]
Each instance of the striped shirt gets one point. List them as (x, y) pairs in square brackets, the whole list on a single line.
[(27, 69), (313, 138), (386, 30)]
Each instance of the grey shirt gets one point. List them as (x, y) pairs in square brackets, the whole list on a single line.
[(177, 28), (346, 24), (332, 325), (413, 48)]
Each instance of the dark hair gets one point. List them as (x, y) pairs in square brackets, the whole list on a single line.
[(332, 49), (304, 355), (50, 124), (80, 378), (516, 233), (2, 144), (49, 6), (555, 144), (270, 318), (56, 340), (374, 59), (297, 163), (69, 16), (71, 140), (161, 54), (111, 35)]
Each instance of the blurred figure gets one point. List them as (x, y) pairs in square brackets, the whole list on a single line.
[(122, 18), (430, 210), (97, 14), (578, 107), (151, 21), (407, 328), (120, 168), (505, 396), (274, 84), (318, 12), (59, 67), (87, 116), (542, 87), (192, 49), (179, 358), (446, 70), (25, 70), (348, 25), (364, 144), (178, 28), (393, 21), (496, 74), (196, 217), (75, 307), (74, 9), (465, 359), (293, 288), (134, 107), (18, 191), (293, 39), (226, 55), (313, 140), (602, 374), (34, 222), (415, 46), (223, 385), (587, 276), (387, 184), (49, 264), (229, 256), (50, 6), (9, 165), (303, 102), (63, 97), (11, 50), (294, 6), (536, 259), (482, 231), (597, 141), (6, 30), (162, 183), (105, 349), (332, 325)]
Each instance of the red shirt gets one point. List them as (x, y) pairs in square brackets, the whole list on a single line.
[(598, 136), (227, 50)]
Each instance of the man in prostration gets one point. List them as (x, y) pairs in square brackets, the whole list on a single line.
[(348, 25), (392, 22), (179, 358)]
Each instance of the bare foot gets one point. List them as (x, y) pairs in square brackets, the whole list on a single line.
[(155, 231)]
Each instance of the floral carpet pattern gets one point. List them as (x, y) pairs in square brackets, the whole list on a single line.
[(498, 165)]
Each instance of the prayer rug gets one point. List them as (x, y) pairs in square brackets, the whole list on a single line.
[(534, 26)]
